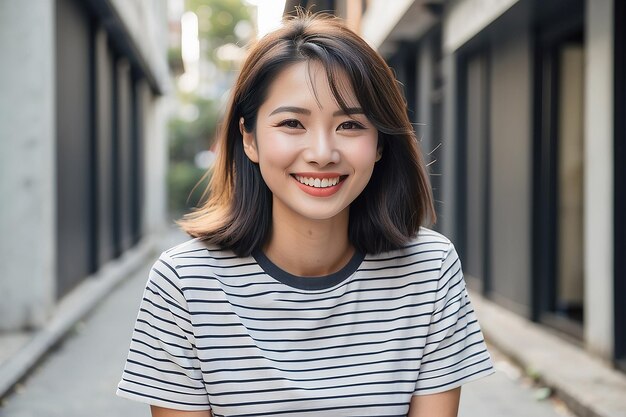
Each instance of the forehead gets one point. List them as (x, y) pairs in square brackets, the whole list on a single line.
[(308, 80)]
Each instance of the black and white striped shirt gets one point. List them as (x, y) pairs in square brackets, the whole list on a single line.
[(242, 337)]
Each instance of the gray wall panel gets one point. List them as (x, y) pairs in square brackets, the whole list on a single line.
[(124, 152), (73, 145), (429, 114), (104, 84), (511, 176), (448, 152), (476, 161), (137, 162), (424, 87)]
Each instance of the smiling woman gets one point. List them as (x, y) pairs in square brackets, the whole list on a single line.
[(311, 285)]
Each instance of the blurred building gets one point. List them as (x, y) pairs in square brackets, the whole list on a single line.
[(521, 106), (82, 143)]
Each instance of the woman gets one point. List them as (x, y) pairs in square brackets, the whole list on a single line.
[(310, 287)]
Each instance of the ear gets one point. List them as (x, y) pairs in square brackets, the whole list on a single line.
[(249, 143), (379, 153)]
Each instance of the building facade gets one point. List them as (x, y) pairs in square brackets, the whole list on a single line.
[(82, 144), (519, 105)]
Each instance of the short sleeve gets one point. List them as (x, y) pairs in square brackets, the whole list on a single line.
[(162, 368), (455, 350)]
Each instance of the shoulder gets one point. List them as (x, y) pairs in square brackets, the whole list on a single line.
[(426, 253), (430, 237), (172, 262), (175, 268), (197, 258), (190, 251), (435, 242), (427, 242), (189, 247)]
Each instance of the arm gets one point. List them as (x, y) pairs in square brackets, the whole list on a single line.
[(168, 412), (443, 404), (163, 362)]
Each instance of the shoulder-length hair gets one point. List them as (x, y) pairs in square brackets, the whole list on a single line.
[(398, 198)]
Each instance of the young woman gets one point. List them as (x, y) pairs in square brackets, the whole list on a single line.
[(309, 287)]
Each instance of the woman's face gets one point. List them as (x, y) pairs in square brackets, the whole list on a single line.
[(313, 157)]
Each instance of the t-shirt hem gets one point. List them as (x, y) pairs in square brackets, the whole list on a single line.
[(160, 402), (456, 384)]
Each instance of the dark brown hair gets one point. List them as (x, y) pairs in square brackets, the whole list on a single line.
[(398, 198)]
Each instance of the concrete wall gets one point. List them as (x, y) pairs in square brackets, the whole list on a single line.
[(465, 18), (27, 162), (380, 20), (156, 161), (144, 22), (511, 164), (28, 145), (598, 180)]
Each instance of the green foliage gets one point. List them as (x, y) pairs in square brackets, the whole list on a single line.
[(192, 129), (175, 60), (187, 138), (217, 19), (182, 177)]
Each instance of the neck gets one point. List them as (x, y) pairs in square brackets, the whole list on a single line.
[(306, 247)]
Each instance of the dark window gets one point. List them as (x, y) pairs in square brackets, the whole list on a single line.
[(124, 127), (559, 155), (473, 161), (99, 144), (116, 178), (137, 163), (404, 66), (104, 139), (75, 154), (435, 101)]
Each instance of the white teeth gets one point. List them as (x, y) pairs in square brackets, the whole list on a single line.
[(317, 182)]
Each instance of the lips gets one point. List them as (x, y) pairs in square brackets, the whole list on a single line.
[(319, 184)]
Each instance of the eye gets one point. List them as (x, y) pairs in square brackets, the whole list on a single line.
[(290, 123), (351, 125)]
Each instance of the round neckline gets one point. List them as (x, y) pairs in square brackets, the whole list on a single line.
[(308, 283)]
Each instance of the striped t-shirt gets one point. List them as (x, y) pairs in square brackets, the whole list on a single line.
[(241, 337)]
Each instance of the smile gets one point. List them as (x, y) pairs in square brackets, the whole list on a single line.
[(318, 182)]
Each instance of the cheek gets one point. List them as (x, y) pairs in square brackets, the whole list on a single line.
[(275, 154), (364, 155)]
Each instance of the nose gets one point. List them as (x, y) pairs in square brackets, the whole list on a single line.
[(321, 149)]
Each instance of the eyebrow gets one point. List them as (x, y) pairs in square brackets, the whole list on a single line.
[(301, 110)]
